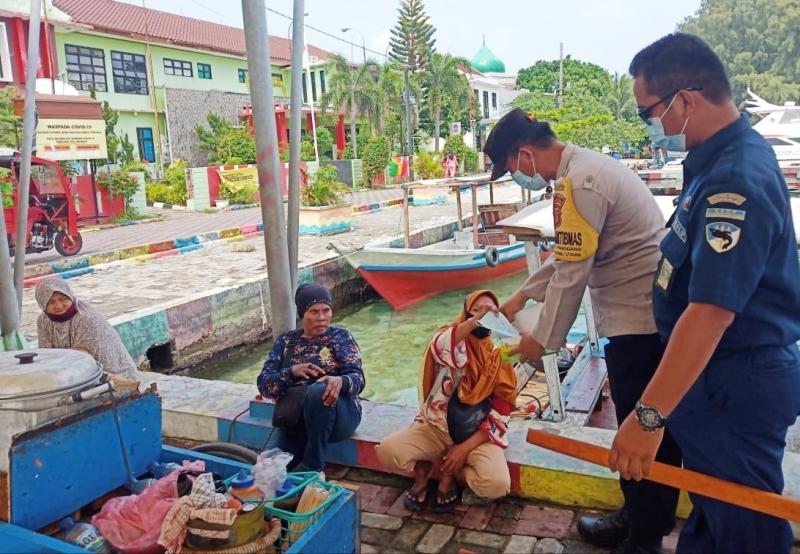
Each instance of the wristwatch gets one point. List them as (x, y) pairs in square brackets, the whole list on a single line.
[(650, 419)]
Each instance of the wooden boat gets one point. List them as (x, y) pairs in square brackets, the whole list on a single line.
[(405, 276)]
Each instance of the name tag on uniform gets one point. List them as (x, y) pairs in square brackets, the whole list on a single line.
[(664, 275)]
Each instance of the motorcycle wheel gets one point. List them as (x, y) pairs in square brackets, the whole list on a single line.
[(65, 246)]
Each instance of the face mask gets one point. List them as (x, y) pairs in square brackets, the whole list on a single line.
[(481, 332), (674, 143), (534, 183)]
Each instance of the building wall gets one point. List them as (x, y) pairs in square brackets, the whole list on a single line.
[(188, 108), (188, 99)]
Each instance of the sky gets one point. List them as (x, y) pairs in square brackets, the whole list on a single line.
[(519, 32)]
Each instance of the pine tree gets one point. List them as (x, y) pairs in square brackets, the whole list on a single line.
[(412, 41)]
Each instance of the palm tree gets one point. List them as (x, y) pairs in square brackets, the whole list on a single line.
[(619, 97), (442, 78), (352, 89), (389, 94)]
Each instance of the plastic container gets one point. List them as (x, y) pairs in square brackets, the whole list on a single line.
[(243, 487), (83, 535)]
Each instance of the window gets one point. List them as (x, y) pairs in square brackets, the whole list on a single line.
[(242, 75), (130, 73), (494, 100), (203, 71), (313, 86), (790, 116), (147, 151), (486, 104), (305, 92), (86, 68), (5, 57), (178, 68), (322, 80)]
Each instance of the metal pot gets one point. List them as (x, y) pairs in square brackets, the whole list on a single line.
[(41, 379)]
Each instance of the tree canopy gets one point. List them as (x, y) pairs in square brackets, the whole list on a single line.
[(599, 109), (758, 41), (412, 41)]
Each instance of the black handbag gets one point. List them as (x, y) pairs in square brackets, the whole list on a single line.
[(464, 419), (289, 407)]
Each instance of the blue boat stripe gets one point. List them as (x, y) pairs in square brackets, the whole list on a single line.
[(503, 258)]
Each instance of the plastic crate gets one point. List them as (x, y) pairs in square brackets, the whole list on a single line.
[(293, 525)]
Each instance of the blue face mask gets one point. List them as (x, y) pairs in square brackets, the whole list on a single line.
[(674, 143), (527, 182)]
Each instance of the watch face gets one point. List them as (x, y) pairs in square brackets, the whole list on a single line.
[(649, 418)]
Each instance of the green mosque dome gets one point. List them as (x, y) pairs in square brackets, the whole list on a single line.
[(486, 62)]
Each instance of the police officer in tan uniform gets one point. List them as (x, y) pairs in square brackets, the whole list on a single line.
[(608, 228)]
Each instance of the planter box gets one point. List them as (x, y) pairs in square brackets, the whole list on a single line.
[(325, 220)]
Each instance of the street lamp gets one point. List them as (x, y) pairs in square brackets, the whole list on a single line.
[(363, 47)]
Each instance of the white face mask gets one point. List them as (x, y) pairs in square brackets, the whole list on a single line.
[(655, 128), (535, 182)]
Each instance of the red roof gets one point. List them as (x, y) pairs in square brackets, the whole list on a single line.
[(120, 18)]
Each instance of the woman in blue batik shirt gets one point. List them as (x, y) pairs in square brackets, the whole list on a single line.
[(326, 358)]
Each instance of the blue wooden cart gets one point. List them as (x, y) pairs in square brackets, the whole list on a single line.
[(57, 468)]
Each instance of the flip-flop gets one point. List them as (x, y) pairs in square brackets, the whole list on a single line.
[(416, 500), (445, 502)]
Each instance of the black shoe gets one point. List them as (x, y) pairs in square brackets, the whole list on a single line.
[(628, 546), (609, 530)]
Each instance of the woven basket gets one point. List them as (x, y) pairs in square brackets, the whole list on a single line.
[(263, 545)]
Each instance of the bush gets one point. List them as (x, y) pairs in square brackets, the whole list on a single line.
[(6, 187), (158, 192), (238, 193), (307, 151), (122, 184), (137, 167), (427, 166), (324, 140), (172, 190), (324, 189), (375, 157)]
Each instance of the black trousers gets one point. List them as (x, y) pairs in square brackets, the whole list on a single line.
[(631, 361)]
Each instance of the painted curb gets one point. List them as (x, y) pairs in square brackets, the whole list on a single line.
[(89, 263), (75, 267)]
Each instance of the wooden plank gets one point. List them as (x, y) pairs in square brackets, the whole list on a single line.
[(460, 211), (474, 215), (586, 390), (4, 504), (692, 481), (406, 225)]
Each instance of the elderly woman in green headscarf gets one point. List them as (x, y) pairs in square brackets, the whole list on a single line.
[(66, 322)]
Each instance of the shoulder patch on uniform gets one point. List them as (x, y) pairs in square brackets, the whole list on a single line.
[(727, 197), (722, 236), (679, 229), (686, 204), (725, 213)]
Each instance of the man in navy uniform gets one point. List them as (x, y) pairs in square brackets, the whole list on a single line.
[(726, 299)]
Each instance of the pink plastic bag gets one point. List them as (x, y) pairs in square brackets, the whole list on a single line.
[(132, 524)]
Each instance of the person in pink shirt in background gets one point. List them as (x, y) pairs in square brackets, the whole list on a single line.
[(450, 163)]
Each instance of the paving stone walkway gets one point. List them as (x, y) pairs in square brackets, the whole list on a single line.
[(128, 287), (510, 526), (185, 224)]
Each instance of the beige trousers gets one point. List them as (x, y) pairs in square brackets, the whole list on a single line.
[(485, 471)]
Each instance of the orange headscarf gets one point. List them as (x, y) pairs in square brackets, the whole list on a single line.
[(485, 374)]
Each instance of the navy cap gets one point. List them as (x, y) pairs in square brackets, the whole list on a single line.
[(512, 127)]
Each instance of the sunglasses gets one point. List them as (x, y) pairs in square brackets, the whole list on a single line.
[(644, 113)]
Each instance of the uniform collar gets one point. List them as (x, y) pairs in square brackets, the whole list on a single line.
[(699, 157), (566, 157)]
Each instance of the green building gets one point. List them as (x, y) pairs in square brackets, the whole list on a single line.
[(163, 73)]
